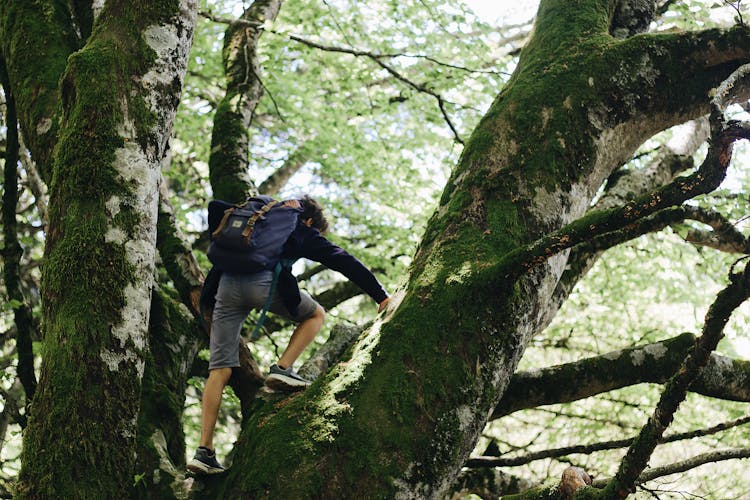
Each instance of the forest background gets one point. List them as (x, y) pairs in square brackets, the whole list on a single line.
[(366, 106)]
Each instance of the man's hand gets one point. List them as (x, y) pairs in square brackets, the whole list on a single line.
[(382, 305)]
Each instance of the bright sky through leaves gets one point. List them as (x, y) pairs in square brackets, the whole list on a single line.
[(511, 11)]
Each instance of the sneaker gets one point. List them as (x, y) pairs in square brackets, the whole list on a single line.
[(287, 380), (204, 462)]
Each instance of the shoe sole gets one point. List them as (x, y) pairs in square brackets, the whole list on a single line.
[(198, 467), (285, 384)]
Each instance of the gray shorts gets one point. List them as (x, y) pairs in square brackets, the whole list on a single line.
[(238, 294)]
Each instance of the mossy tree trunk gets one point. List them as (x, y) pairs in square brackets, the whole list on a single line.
[(229, 161), (36, 39), (119, 95), (400, 416), (174, 339)]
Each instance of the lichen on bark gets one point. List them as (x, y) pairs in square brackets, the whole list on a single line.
[(116, 119)]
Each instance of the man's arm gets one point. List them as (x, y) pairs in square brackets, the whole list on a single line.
[(316, 247)]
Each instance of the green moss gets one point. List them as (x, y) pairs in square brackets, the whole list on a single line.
[(85, 407), (36, 41), (173, 339), (228, 172)]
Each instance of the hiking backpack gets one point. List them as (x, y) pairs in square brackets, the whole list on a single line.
[(250, 237)]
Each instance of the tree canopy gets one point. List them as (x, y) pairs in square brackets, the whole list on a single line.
[(554, 202)]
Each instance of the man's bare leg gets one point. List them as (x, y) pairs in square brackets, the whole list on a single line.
[(302, 337), (210, 403)]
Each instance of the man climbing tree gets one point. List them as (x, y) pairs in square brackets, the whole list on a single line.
[(282, 232)]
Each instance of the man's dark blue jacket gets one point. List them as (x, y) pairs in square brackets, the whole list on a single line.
[(304, 242)]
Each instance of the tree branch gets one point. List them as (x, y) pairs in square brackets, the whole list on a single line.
[(599, 222), (11, 251), (278, 179), (625, 185), (685, 465), (632, 17), (339, 341), (378, 59), (724, 237), (36, 185), (177, 255), (487, 483), (35, 65), (722, 377), (228, 163), (338, 293), (674, 393), (249, 23), (587, 449)]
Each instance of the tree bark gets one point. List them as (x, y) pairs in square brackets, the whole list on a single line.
[(119, 95), (723, 377), (228, 164), (175, 338), (12, 251), (400, 416), (37, 38)]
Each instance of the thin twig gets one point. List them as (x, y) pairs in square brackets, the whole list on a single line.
[(587, 449), (377, 59), (685, 465), (224, 20)]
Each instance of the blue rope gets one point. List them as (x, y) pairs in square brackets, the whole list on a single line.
[(276, 272)]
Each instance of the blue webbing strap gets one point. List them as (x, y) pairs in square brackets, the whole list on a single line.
[(256, 331)]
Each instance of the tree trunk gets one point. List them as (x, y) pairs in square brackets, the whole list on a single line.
[(37, 37), (119, 95), (228, 165), (12, 251), (174, 339), (400, 416)]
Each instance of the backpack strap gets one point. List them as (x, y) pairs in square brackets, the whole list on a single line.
[(250, 226), (229, 211), (276, 272)]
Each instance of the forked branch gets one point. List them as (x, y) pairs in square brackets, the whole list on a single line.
[(600, 222)]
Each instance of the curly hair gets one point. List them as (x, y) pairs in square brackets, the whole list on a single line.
[(311, 209)]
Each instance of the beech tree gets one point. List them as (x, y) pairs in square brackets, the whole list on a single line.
[(541, 189)]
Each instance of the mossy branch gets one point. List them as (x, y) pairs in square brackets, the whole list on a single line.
[(228, 163), (600, 222), (632, 16), (670, 71), (177, 255), (724, 236), (723, 377), (36, 39)]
